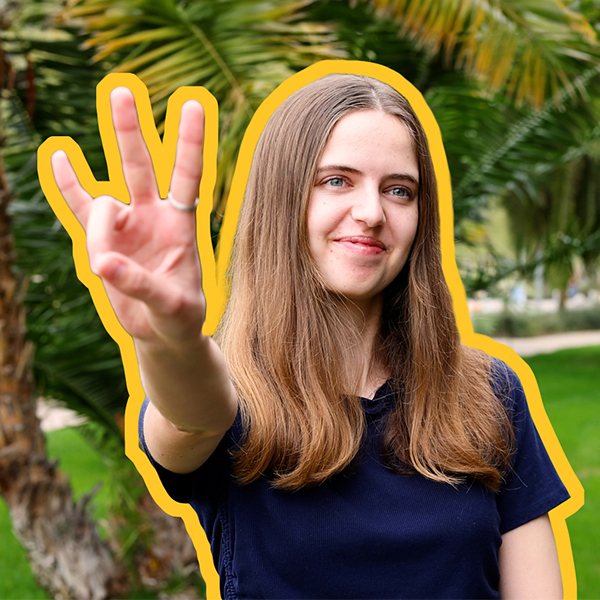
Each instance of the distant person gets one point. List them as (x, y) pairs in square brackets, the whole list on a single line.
[(519, 295)]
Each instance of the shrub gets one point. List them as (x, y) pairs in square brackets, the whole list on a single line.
[(528, 324)]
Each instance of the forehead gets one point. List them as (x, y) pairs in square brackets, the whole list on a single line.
[(371, 139)]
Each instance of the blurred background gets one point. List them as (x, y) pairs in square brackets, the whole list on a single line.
[(515, 88)]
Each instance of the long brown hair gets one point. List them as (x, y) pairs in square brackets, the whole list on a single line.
[(283, 333)]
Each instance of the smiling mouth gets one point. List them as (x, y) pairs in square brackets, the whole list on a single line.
[(363, 241), (363, 244)]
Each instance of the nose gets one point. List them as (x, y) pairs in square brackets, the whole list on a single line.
[(368, 208)]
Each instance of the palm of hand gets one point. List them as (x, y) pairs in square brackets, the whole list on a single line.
[(145, 252)]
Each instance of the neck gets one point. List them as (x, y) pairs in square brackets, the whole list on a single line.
[(369, 373)]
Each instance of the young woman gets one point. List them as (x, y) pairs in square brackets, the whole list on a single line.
[(335, 437)]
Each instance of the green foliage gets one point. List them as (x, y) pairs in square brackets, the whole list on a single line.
[(568, 382), (555, 210), (517, 46), (75, 360), (82, 463), (125, 522), (528, 324)]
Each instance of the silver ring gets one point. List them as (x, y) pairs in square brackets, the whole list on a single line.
[(180, 205)]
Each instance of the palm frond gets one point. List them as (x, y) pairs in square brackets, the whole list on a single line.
[(530, 49), (75, 360)]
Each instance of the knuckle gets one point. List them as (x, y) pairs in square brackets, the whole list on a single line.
[(183, 307), (180, 305), (184, 172)]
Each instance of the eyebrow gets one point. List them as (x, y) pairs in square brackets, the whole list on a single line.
[(345, 169)]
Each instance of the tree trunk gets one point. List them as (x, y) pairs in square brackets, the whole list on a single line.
[(66, 553)]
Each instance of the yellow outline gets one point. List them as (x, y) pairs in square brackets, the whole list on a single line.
[(163, 155)]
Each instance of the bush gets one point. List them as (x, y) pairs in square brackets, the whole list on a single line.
[(529, 324)]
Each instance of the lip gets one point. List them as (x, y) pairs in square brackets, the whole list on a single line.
[(363, 240), (362, 245)]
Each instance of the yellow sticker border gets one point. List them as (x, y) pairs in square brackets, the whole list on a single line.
[(163, 155)]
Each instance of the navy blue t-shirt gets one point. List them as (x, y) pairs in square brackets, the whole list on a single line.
[(368, 532)]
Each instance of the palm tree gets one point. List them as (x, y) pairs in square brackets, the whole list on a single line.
[(542, 168), (481, 50), (75, 361), (527, 49), (561, 213), (66, 552)]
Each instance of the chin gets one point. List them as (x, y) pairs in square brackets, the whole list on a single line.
[(359, 296)]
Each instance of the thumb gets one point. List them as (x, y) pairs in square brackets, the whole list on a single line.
[(134, 281)]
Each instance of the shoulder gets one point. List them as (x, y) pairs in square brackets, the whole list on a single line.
[(531, 486), (507, 386), (503, 377)]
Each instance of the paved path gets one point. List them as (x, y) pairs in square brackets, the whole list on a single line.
[(545, 344), (54, 416)]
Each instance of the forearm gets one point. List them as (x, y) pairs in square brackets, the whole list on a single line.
[(189, 384)]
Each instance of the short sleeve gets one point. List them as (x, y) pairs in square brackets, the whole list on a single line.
[(532, 486), (206, 482)]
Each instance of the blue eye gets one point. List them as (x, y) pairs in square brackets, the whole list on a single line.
[(335, 182), (401, 192)]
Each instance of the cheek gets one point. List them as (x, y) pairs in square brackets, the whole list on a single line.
[(406, 228), (312, 221), (320, 219)]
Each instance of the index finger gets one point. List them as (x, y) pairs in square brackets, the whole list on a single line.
[(187, 171), (75, 196), (138, 169)]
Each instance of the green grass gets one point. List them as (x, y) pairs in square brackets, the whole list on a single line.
[(16, 580), (79, 460), (569, 381)]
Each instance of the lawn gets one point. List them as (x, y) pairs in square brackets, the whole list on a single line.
[(569, 381), (570, 385)]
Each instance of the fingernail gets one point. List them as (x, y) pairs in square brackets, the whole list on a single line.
[(115, 271), (120, 90), (57, 155)]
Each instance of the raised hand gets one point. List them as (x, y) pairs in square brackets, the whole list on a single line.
[(145, 252)]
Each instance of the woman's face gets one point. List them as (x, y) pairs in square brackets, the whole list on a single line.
[(364, 210)]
